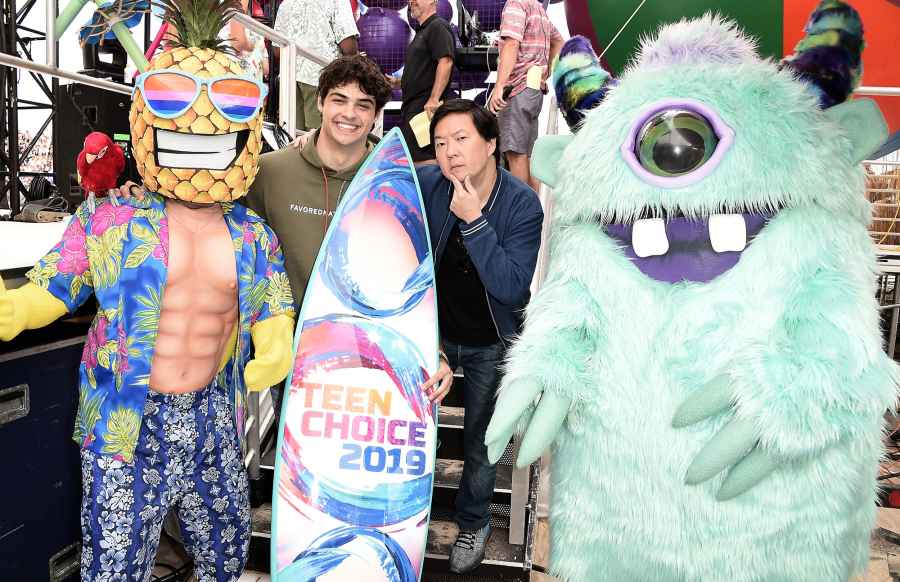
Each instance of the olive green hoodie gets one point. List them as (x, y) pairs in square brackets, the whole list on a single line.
[(296, 194)]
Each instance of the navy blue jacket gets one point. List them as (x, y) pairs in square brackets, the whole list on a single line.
[(503, 244)]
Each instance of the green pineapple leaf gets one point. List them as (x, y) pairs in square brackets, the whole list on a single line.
[(197, 23)]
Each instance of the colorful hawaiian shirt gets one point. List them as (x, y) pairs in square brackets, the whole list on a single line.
[(120, 253)]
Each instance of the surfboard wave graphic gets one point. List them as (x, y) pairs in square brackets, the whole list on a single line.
[(356, 447), (374, 506), (331, 548), (387, 181), (324, 345)]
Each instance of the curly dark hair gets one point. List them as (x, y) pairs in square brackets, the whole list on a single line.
[(357, 69)]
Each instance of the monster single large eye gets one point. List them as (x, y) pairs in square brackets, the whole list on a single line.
[(675, 142)]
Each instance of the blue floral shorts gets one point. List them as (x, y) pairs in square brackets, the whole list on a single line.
[(187, 459)]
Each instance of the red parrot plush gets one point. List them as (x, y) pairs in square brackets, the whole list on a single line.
[(99, 164)]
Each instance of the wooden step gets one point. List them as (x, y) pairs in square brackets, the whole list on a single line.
[(451, 417), (448, 472), (499, 552), (261, 521)]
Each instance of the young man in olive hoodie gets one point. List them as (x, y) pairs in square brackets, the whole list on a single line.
[(296, 193)]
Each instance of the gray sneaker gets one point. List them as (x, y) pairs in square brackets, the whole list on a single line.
[(468, 550)]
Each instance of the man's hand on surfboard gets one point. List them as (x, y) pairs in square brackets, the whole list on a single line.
[(438, 385), (515, 409)]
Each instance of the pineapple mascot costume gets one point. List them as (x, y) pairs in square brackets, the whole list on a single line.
[(705, 355), (194, 309)]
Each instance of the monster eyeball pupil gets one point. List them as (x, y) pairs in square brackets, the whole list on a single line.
[(678, 151), (673, 143)]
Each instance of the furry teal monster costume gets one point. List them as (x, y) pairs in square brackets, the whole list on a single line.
[(706, 347)]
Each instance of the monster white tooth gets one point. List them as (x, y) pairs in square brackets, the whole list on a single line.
[(727, 232), (648, 237)]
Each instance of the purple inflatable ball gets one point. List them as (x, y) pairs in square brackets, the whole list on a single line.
[(387, 4), (383, 36), (444, 10), (489, 12)]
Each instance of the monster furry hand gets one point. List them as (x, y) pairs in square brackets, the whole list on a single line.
[(537, 394)]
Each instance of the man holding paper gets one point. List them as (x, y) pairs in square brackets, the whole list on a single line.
[(529, 43), (426, 77)]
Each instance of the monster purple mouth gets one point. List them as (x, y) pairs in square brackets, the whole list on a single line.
[(681, 249)]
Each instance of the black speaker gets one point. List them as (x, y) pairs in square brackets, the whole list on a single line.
[(40, 530), (82, 109)]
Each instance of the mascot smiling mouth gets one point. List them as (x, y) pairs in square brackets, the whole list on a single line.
[(198, 151), (680, 249)]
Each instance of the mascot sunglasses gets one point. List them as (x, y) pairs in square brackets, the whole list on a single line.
[(169, 94)]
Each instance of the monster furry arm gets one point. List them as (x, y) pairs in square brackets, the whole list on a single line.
[(549, 360), (819, 377)]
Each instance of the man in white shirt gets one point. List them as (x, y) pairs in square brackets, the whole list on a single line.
[(325, 27)]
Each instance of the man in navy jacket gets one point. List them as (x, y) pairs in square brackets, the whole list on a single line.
[(485, 228)]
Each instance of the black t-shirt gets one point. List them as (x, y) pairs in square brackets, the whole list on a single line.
[(433, 41), (463, 311)]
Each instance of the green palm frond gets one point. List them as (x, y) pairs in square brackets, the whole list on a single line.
[(105, 254), (147, 319), (88, 413), (198, 22), (122, 431), (256, 297), (278, 293)]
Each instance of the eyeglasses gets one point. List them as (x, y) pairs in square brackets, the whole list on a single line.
[(169, 94)]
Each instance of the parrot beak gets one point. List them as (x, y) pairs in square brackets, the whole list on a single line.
[(102, 152), (90, 158)]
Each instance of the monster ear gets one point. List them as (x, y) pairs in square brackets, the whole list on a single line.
[(864, 125), (545, 157)]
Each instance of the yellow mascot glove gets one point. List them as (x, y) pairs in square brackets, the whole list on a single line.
[(273, 340), (28, 307)]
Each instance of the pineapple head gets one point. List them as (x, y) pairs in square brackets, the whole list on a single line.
[(200, 156)]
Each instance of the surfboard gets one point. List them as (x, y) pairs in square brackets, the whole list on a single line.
[(356, 447)]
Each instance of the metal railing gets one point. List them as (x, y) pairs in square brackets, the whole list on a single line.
[(16, 62), (878, 91), (288, 53)]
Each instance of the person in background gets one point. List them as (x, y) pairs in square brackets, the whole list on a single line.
[(485, 227), (324, 27), (250, 46), (528, 44), (426, 73)]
